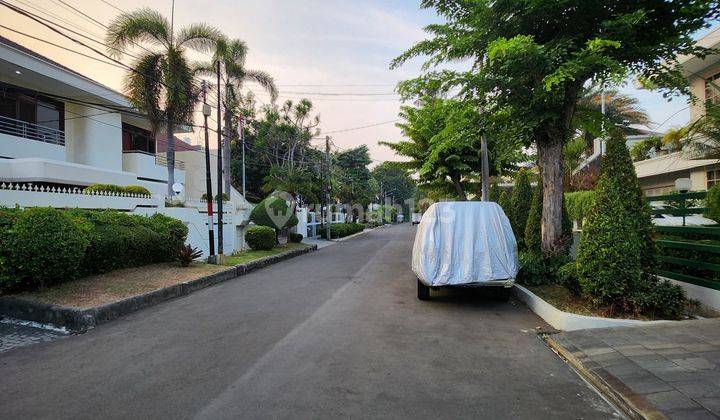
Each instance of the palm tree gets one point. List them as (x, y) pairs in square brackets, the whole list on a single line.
[(162, 83), (620, 110), (231, 54)]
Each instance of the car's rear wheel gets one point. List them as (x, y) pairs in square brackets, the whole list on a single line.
[(502, 294), (423, 292)]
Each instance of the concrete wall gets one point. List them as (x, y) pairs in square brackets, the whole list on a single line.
[(665, 183), (697, 87), (94, 141), (20, 147)]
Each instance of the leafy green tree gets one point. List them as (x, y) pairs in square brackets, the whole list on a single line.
[(391, 177), (162, 84), (354, 180), (230, 55), (531, 60), (520, 202)]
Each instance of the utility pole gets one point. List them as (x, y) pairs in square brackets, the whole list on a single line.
[(485, 168), (219, 171), (208, 177), (327, 192), (241, 134)]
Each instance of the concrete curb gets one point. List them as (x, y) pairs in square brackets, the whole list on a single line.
[(567, 321), (633, 405), (80, 320)]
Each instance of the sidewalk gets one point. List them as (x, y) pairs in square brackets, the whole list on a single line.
[(670, 370)]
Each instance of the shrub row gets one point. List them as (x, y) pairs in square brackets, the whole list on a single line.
[(130, 189), (45, 246), (341, 230)]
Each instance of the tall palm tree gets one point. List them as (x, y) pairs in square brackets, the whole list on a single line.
[(620, 110), (161, 84), (231, 54)]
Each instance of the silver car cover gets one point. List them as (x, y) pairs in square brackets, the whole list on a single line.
[(465, 243)]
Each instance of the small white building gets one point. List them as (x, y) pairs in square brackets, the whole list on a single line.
[(61, 131)]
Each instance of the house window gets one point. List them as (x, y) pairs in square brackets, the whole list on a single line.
[(137, 139), (712, 89), (44, 118), (713, 177)]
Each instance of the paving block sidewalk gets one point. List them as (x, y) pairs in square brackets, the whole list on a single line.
[(13, 336), (667, 370)]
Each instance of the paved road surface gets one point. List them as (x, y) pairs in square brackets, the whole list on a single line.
[(335, 333)]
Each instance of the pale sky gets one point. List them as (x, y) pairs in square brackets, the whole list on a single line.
[(325, 50)]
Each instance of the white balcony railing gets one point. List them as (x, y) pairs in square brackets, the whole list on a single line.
[(31, 131)]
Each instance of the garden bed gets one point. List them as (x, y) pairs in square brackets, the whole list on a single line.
[(245, 257), (565, 311)]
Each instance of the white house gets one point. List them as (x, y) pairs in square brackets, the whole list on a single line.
[(61, 131)]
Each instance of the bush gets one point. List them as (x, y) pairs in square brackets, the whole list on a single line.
[(225, 197), (261, 238), (47, 246), (579, 203), (567, 276), (520, 202), (274, 212), (114, 246), (535, 270), (187, 254), (661, 299), (495, 191), (130, 189), (616, 259), (504, 202), (340, 230), (712, 202), (295, 238), (533, 239)]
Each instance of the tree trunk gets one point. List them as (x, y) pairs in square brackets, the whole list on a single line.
[(550, 159), (458, 188), (227, 158), (170, 156)]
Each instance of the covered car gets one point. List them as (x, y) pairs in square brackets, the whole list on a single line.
[(468, 243)]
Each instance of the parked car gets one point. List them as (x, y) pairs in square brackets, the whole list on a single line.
[(672, 220), (416, 218), (465, 244)]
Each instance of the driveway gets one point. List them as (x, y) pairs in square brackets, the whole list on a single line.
[(335, 333)]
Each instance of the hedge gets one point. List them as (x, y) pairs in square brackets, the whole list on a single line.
[(225, 197), (341, 230), (261, 238), (295, 238), (274, 212), (712, 202), (520, 202), (45, 246), (579, 203), (130, 189)]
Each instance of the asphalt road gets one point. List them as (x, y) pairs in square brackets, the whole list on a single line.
[(335, 333)]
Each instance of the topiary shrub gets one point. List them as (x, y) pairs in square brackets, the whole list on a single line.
[(579, 203), (260, 238), (494, 192), (712, 202), (520, 202), (7, 220), (130, 189), (567, 276), (274, 212), (616, 258), (533, 234), (225, 197), (537, 270), (295, 238), (136, 189), (47, 246), (114, 246), (504, 202)]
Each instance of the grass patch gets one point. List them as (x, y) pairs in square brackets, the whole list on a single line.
[(561, 298), (245, 257), (116, 285)]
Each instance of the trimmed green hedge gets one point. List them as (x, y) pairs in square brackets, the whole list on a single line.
[(579, 203), (341, 230), (274, 212), (130, 189), (261, 238), (712, 202), (45, 246)]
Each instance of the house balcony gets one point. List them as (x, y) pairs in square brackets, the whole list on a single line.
[(20, 139), (151, 167)]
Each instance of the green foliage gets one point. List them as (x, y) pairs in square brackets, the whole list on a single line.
[(712, 202), (393, 177), (616, 259), (295, 238), (354, 182), (567, 275), (579, 204), (130, 189), (274, 212), (537, 270), (46, 246), (504, 202), (341, 230), (260, 238), (533, 240), (640, 150), (520, 203), (187, 254), (661, 299), (495, 192), (225, 197)]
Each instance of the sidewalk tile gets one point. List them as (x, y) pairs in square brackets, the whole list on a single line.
[(672, 401)]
